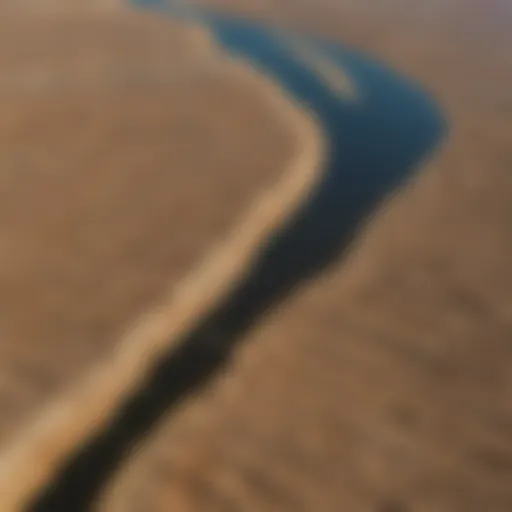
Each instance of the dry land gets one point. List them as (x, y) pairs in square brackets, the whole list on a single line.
[(130, 150)]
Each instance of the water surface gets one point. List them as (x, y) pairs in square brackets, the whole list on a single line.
[(374, 143)]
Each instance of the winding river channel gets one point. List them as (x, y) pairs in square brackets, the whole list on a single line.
[(380, 128)]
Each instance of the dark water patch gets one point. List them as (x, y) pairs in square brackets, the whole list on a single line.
[(374, 146)]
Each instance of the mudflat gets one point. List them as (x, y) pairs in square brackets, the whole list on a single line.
[(385, 384)]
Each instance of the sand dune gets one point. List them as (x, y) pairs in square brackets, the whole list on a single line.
[(113, 190)]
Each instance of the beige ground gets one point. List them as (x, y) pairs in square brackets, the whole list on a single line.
[(386, 385), (126, 157)]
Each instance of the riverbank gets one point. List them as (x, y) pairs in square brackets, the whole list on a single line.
[(116, 183)]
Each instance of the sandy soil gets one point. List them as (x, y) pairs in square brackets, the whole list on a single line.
[(126, 158), (386, 384)]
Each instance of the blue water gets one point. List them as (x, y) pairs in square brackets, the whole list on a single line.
[(374, 146)]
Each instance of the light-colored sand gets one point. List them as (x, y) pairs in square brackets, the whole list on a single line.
[(114, 192), (386, 385)]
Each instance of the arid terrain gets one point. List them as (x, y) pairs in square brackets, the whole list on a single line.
[(382, 385), (127, 158)]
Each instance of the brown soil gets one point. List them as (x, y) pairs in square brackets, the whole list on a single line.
[(125, 158), (385, 385)]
